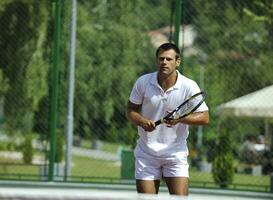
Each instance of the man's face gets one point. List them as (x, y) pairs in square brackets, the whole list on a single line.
[(167, 62)]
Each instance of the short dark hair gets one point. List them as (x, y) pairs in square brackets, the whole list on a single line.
[(168, 46)]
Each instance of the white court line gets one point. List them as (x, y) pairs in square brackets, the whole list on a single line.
[(21, 193)]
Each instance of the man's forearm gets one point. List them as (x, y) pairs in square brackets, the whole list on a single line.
[(135, 117), (198, 118)]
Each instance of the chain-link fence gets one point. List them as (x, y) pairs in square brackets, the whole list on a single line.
[(227, 49)]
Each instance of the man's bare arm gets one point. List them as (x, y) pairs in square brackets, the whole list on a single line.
[(197, 118), (134, 115)]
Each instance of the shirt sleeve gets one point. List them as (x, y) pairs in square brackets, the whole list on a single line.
[(137, 92)]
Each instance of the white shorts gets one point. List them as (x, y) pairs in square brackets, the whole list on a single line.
[(156, 168)]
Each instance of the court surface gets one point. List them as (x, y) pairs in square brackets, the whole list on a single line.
[(65, 191)]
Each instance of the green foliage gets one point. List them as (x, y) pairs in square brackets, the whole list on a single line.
[(3, 83), (234, 51), (27, 149), (41, 119), (113, 48), (261, 11), (223, 170), (22, 61), (109, 61)]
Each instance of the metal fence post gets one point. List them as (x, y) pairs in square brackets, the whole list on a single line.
[(177, 21), (54, 89)]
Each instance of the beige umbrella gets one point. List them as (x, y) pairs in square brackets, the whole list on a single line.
[(258, 104), (255, 104)]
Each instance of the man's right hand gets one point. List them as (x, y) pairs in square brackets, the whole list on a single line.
[(148, 125)]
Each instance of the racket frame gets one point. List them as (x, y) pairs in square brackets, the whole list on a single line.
[(168, 116)]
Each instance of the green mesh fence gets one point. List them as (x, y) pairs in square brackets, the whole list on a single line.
[(226, 47)]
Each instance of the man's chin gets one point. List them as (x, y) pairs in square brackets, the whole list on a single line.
[(164, 71)]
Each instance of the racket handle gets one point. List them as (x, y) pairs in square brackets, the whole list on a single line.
[(158, 122)]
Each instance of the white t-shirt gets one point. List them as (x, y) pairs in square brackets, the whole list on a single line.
[(163, 141)]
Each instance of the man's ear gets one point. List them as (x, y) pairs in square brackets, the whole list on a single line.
[(178, 61)]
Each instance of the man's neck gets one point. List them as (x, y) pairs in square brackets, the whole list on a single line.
[(168, 81)]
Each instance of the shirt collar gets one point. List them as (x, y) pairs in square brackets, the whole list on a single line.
[(177, 84)]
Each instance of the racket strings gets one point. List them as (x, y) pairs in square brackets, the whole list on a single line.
[(188, 107)]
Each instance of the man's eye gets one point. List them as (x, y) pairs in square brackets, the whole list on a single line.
[(168, 59)]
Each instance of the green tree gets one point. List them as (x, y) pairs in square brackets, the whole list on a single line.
[(223, 170), (233, 49), (27, 149), (113, 48), (262, 11), (3, 83), (22, 60)]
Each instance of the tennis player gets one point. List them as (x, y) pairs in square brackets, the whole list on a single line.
[(161, 151)]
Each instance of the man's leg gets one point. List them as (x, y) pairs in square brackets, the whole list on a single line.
[(148, 186), (178, 185)]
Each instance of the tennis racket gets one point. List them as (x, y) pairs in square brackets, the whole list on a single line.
[(184, 109)]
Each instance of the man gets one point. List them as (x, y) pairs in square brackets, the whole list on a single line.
[(161, 151)]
